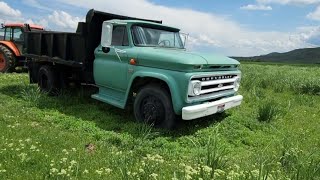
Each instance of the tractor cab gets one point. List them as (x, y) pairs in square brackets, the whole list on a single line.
[(14, 33), (11, 45)]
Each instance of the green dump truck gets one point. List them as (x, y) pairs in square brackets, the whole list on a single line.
[(135, 62)]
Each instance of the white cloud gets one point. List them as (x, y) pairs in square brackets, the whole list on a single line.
[(265, 4), (311, 34), (64, 20), (36, 4), (256, 7), (8, 11), (42, 22), (10, 15), (291, 2), (315, 15), (206, 30)]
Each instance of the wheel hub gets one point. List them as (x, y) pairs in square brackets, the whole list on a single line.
[(152, 110), (2, 62)]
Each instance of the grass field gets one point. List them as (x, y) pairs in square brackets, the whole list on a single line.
[(275, 134)]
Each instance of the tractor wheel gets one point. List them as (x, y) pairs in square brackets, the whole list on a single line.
[(7, 60)]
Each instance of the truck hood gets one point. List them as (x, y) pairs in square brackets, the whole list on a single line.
[(178, 59)]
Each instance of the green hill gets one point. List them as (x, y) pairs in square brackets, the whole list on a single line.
[(298, 56)]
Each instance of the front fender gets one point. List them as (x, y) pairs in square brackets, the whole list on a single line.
[(12, 47), (176, 81)]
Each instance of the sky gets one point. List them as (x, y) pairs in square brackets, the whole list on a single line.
[(230, 27)]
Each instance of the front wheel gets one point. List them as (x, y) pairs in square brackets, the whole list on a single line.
[(153, 105)]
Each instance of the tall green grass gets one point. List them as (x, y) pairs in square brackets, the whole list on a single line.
[(268, 111), (272, 135), (300, 80)]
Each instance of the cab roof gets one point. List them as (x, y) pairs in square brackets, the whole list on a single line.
[(32, 26), (141, 22)]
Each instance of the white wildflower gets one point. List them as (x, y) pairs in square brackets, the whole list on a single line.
[(10, 145), (53, 170), (85, 171), (99, 172), (107, 170), (33, 147), (153, 175), (63, 160), (63, 172)]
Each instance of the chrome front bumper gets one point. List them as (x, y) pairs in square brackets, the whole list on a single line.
[(209, 108)]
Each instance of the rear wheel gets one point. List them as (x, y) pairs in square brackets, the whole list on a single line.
[(153, 105), (7, 60), (47, 80)]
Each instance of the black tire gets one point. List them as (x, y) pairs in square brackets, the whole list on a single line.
[(7, 60), (47, 80), (153, 105)]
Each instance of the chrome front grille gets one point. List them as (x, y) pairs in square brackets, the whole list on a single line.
[(214, 85), (217, 85)]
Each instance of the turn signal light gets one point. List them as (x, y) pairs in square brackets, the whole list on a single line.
[(133, 61)]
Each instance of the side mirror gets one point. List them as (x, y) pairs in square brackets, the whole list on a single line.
[(106, 35)]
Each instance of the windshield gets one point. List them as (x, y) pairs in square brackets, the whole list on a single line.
[(144, 36)]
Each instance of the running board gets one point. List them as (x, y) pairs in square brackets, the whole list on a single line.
[(111, 97)]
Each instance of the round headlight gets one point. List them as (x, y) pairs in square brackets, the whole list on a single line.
[(237, 84), (197, 88)]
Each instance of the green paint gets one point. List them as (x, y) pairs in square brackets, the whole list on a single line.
[(175, 67)]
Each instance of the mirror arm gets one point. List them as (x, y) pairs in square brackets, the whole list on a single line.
[(106, 49)]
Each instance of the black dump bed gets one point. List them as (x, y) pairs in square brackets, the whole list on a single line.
[(71, 49)]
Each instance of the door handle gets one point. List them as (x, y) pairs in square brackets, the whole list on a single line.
[(120, 51)]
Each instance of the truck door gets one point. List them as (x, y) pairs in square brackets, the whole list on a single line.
[(110, 67)]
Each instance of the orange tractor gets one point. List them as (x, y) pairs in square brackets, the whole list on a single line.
[(11, 45)]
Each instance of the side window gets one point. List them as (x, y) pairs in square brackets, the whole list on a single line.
[(17, 34), (8, 34), (2, 34), (120, 36)]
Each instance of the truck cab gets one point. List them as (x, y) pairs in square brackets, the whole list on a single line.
[(171, 80)]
